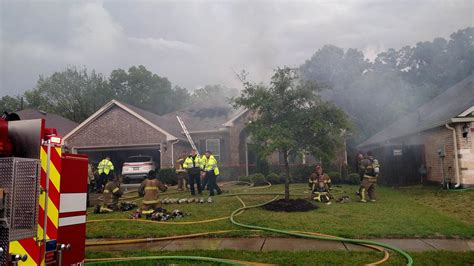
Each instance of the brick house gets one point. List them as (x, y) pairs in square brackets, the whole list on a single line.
[(437, 135), (121, 130)]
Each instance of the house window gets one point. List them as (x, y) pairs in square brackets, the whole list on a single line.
[(214, 146)]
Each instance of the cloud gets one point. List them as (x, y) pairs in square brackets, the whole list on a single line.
[(203, 42)]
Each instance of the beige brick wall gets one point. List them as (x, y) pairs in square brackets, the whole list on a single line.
[(433, 140), (116, 127), (466, 154)]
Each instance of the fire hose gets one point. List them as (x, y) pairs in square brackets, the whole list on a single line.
[(318, 236)]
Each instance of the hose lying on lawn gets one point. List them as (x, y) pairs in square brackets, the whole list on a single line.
[(147, 240), (341, 239), (367, 243)]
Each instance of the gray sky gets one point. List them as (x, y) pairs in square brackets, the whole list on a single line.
[(195, 43)]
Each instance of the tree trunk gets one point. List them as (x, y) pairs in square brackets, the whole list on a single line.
[(287, 175)]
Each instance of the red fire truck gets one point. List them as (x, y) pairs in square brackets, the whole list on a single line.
[(43, 195)]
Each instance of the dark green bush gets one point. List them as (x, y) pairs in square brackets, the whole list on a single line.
[(167, 176), (335, 177), (245, 179), (274, 178), (258, 179), (301, 173), (353, 179)]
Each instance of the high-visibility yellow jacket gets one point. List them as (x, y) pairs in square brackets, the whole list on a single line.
[(192, 164), (105, 166), (209, 164)]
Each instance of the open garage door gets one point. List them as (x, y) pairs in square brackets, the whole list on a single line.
[(119, 155)]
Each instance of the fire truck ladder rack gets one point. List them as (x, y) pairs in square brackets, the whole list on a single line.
[(186, 132)]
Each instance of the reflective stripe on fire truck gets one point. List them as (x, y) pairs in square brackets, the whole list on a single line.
[(73, 202), (72, 220)]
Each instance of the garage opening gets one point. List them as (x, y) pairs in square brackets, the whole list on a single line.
[(120, 155)]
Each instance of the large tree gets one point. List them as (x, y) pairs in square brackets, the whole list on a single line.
[(76, 93), (72, 93), (142, 88), (291, 117), (10, 104)]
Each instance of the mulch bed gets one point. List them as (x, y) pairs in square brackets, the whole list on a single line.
[(292, 205)]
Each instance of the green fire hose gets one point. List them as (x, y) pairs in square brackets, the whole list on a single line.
[(339, 239), (254, 227)]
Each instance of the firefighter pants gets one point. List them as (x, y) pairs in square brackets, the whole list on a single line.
[(195, 179), (367, 186), (102, 180), (212, 183), (149, 208), (182, 184)]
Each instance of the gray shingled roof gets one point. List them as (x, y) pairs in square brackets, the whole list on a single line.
[(196, 118), (62, 125), (436, 112)]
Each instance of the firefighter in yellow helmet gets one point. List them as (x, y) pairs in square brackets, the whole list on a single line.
[(104, 169), (209, 166), (149, 189), (192, 165), (110, 196), (369, 170)]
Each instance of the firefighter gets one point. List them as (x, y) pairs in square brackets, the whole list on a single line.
[(181, 173), (369, 170), (149, 189), (192, 165), (319, 179), (104, 168), (320, 185), (209, 166), (111, 195), (90, 181)]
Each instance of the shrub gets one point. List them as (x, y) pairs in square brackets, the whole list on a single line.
[(274, 178), (245, 179), (353, 178), (335, 177), (167, 176), (300, 174), (258, 179)]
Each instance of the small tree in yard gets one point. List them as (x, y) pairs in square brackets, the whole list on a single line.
[(291, 117)]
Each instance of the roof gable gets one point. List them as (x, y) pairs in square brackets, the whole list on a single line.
[(138, 113)]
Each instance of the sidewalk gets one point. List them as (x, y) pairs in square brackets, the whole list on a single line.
[(289, 244)]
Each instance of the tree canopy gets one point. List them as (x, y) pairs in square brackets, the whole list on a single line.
[(290, 117), (76, 94)]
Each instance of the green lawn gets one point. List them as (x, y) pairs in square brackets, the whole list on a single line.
[(297, 258), (407, 212)]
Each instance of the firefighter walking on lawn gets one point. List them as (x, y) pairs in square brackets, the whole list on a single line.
[(104, 168), (149, 190), (369, 171), (192, 164)]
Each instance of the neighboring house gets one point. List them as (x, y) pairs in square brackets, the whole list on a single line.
[(437, 135), (62, 125)]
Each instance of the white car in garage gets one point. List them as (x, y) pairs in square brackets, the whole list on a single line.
[(137, 168)]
